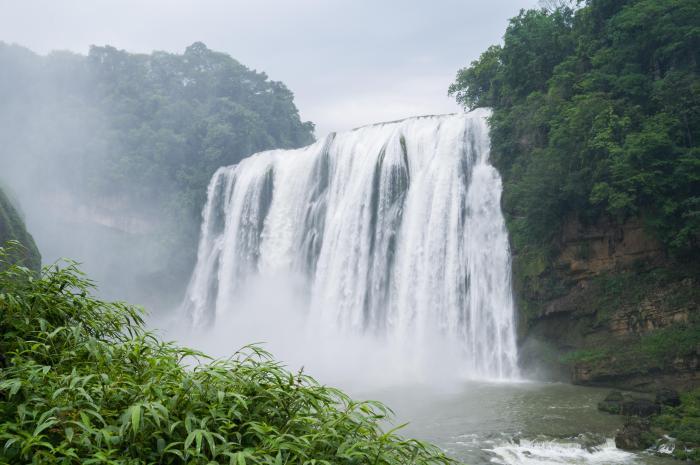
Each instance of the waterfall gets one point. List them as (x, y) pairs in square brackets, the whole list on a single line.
[(396, 227)]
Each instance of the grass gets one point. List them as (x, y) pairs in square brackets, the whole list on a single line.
[(656, 350), (82, 382)]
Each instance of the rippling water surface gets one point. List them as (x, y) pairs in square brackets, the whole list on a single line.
[(514, 423)]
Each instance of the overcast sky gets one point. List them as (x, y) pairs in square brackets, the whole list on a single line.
[(348, 62)]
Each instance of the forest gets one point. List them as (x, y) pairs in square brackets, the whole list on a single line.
[(596, 112), (139, 133), (595, 130)]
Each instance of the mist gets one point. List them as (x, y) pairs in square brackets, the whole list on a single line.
[(62, 142), (273, 312), (107, 156)]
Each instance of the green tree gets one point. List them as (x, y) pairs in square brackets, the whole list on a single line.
[(142, 133), (596, 111)]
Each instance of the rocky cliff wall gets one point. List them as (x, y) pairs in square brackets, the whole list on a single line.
[(611, 308)]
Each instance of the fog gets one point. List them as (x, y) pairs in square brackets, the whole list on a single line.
[(62, 155), (55, 146), (273, 313), (348, 62), (108, 162)]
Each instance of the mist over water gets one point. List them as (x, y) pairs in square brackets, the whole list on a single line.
[(378, 255)]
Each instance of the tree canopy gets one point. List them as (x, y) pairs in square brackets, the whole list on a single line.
[(144, 131), (596, 111)]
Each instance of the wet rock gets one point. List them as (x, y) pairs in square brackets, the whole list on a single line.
[(634, 435), (640, 407), (591, 442), (620, 404), (612, 403), (668, 397)]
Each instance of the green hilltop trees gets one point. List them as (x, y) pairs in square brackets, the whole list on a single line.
[(141, 133), (596, 112)]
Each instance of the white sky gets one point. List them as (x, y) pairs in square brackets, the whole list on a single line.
[(348, 62)]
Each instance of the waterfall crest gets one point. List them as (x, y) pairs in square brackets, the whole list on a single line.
[(396, 227)]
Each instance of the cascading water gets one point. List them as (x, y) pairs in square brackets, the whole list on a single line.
[(396, 228)]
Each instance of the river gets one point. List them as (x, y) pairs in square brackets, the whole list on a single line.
[(513, 423)]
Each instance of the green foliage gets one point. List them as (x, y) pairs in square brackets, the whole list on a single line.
[(596, 112), (628, 289), (664, 345), (656, 350), (81, 382), (683, 424), (140, 134), (12, 228)]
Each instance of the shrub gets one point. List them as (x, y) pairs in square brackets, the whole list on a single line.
[(82, 382)]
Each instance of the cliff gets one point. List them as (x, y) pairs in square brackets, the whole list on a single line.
[(595, 123), (12, 228), (610, 308)]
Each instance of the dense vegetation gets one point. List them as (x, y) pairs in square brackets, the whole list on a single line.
[(683, 424), (596, 111), (595, 130), (81, 382), (12, 228), (137, 134)]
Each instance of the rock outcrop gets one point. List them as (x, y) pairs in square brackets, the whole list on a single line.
[(12, 228), (619, 310), (634, 435)]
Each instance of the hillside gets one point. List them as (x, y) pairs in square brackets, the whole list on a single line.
[(595, 129), (118, 148)]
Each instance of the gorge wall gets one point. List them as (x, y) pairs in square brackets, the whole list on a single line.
[(611, 309)]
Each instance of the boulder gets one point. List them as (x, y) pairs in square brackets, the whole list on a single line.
[(668, 397), (640, 407), (634, 435)]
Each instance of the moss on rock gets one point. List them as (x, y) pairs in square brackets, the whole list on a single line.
[(12, 228)]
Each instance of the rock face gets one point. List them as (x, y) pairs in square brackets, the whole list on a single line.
[(643, 428), (589, 250), (640, 407), (12, 228), (625, 313), (682, 373)]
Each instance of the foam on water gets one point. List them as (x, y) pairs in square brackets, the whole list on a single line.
[(531, 452)]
